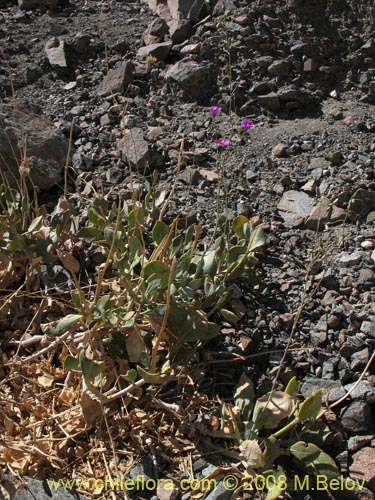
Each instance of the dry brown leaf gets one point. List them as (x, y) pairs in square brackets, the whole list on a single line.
[(9, 425), (252, 453), (91, 408), (45, 380), (18, 460), (68, 261)]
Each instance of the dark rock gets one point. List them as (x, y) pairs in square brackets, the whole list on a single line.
[(269, 101), (158, 50), (156, 31), (319, 216), (196, 80), (360, 359), (279, 68), (357, 417), (179, 30), (46, 147), (363, 391), (362, 203), (117, 79), (35, 4)]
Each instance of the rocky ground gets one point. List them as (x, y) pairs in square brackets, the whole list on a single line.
[(304, 73)]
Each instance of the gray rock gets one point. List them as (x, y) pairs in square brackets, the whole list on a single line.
[(46, 147), (360, 359), (363, 466), (368, 327), (357, 417), (35, 4), (179, 30), (338, 214), (280, 151), (319, 216), (362, 203), (363, 392), (355, 443), (42, 490), (346, 259), (332, 388), (117, 79), (55, 50), (366, 279), (279, 68), (158, 50), (294, 206), (155, 31), (194, 10), (220, 493), (134, 148), (269, 101), (196, 80)]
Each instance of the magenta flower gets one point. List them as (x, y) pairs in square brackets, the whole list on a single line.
[(247, 124), (223, 142), (215, 110)]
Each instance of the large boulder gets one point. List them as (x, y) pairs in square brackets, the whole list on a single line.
[(30, 144)]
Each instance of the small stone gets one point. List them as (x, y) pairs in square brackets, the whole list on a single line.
[(364, 391), (156, 31), (363, 466), (357, 417), (196, 80), (310, 186), (347, 259), (366, 279), (55, 50), (337, 215), (134, 148), (158, 50), (165, 492), (334, 322), (332, 388), (367, 244), (335, 157), (210, 175), (190, 176), (280, 150), (279, 68), (220, 493), (114, 175), (117, 80), (360, 359), (309, 66), (362, 202), (269, 101), (294, 206), (319, 216), (355, 443), (179, 30)]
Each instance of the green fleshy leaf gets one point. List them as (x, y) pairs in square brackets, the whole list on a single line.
[(63, 325), (293, 387), (305, 452), (311, 406), (159, 231), (71, 363)]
